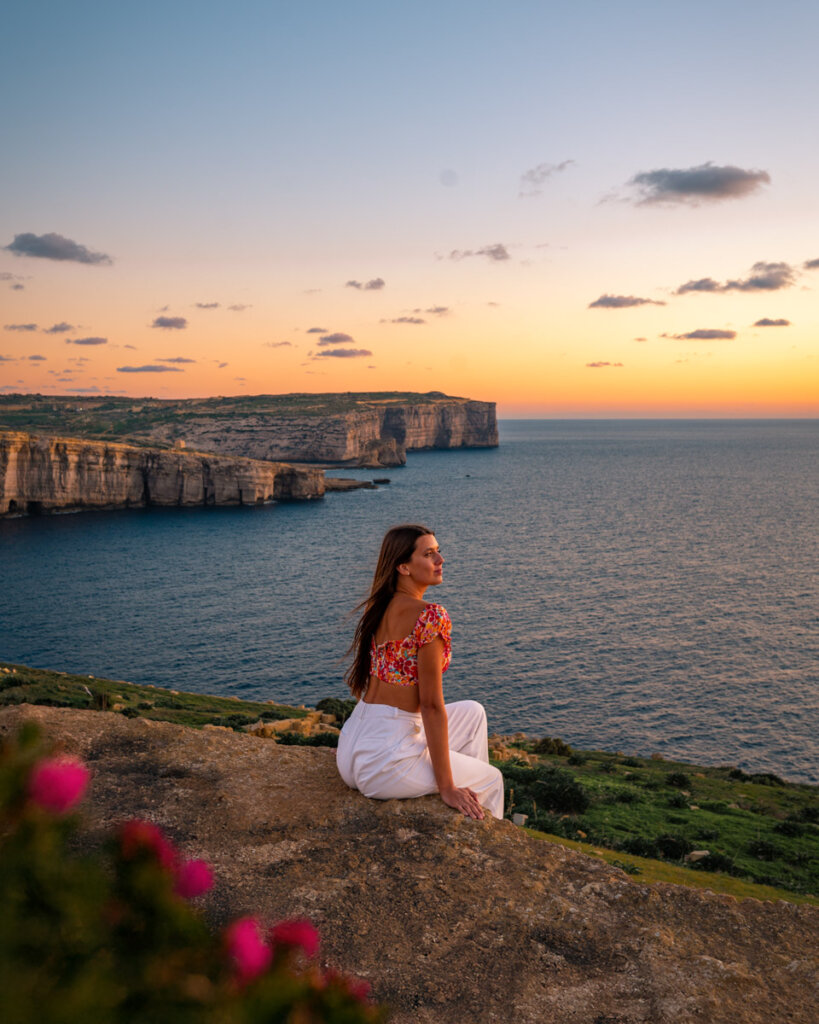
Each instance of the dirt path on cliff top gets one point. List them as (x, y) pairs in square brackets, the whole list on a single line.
[(452, 921)]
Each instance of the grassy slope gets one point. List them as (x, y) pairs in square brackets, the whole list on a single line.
[(630, 800)]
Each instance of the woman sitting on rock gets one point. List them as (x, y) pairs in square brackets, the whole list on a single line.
[(402, 740)]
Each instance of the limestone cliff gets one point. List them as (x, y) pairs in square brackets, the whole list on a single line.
[(453, 921), (373, 434), (54, 473)]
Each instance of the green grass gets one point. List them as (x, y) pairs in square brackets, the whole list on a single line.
[(637, 813), (642, 870), (22, 685), (758, 829)]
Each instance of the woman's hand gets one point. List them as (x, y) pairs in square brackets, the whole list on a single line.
[(463, 800)]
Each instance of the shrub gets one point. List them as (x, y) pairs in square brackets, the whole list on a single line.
[(552, 745), (342, 709), (677, 800), (640, 846), (715, 862), (678, 779), (109, 937), (673, 847), (790, 827), (319, 739), (546, 787), (577, 759), (631, 762), (763, 850)]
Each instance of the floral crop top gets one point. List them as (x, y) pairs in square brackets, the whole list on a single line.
[(396, 661)]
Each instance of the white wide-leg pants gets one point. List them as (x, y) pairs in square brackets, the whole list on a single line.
[(383, 753)]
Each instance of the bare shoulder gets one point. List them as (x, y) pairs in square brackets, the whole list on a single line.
[(400, 618)]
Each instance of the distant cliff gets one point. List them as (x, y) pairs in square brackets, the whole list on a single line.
[(40, 474), (357, 428), (374, 434)]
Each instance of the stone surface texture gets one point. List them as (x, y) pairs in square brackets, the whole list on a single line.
[(54, 473), (376, 435), (453, 921)]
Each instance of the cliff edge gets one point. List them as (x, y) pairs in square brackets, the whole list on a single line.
[(453, 921), (41, 474)]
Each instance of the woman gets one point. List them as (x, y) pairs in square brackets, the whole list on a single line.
[(402, 740)]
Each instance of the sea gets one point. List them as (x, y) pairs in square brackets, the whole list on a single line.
[(633, 585)]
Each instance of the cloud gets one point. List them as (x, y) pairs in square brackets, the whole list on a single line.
[(8, 359), (693, 185), (434, 310), (641, 339), (404, 320), (13, 279), (59, 328), (206, 305), (344, 353), (622, 302), (496, 253), (278, 344), (55, 247), (532, 180), (375, 285), (20, 327), (221, 366), (706, 334), (171, 323), (131, 347), (336, 339), (86, 341), (37, 359), (702, 284), (176, 359), (238, 307), (316, 330), (810, 265), (150, 368), (598, 366), (766, 322), (763, 277)]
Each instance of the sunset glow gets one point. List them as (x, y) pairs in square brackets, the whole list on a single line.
[(572, 211)]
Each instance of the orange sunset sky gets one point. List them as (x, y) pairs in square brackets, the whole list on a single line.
[(586, 210)]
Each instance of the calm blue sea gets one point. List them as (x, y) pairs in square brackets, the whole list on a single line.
[(638, 586)]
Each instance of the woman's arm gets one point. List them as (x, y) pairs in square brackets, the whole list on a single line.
[(436, 727)]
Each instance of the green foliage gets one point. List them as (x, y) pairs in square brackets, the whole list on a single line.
[(297, 739), (342, 709), (678, 779), (105, 937), (677, 800), (552, 745), (549, 788)]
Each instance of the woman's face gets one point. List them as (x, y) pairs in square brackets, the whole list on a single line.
[(426, 564)]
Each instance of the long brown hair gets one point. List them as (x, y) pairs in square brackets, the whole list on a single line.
[(396, 548)]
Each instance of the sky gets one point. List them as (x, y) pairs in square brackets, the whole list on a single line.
[(593, 209)]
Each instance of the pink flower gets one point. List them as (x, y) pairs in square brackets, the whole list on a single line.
[(136, 836), (193, 878), (250, 954), (57, 783), (297, 933)]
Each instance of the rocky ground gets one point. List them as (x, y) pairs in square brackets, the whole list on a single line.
[(453, 921)]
